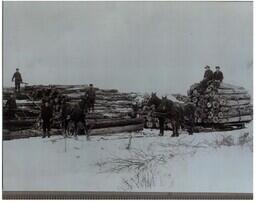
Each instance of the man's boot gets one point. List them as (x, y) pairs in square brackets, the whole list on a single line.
[(161, 134)]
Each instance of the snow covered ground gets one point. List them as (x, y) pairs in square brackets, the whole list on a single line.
[(204, 162)]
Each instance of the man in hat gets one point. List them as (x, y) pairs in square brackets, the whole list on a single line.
[(208, 76), (18, 79), (91, 96), (218, 75), (46, 115)]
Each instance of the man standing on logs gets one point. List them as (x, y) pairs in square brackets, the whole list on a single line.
[(46, 115), (91, 96), (208, 76), (218, 75), (18, 80)]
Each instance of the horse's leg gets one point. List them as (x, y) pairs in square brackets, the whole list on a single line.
[(181, 118), (191, 126), (177, 128), (64, 127), (86, 131), (161, 126), (75, 129), (173, 128)]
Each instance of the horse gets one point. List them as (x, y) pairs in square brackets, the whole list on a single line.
[(72, 116), (169, 110), (180, 114), (172, 111)]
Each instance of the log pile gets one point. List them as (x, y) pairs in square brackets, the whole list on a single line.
[(112, 108), (222, 104)]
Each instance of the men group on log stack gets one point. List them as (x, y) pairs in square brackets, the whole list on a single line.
[(209, 76)]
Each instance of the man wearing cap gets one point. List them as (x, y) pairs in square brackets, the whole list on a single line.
[(208, 76), (218, 75), (18, 79), (46, 115), (91, 96)]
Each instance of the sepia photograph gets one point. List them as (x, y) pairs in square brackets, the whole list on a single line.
[(127, 99)]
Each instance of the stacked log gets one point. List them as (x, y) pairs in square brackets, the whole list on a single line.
[(221, 104), (111, 114)]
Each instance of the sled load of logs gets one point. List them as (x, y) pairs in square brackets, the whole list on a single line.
[(114, 111), (219, 107), (221, 104)]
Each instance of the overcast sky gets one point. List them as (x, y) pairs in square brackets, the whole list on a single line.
[(131, 46)]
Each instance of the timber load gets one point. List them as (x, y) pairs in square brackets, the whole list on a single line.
[(221, 104), (219, 107), (114, 111)]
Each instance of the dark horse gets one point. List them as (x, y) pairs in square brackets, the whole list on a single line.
[(180, 115), (72, 116)]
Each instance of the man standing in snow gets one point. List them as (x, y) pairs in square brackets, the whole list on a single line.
[(18, 80), (11, 106), (189, 117), (91, 96), (46, 115), (218, 75), (64, 114)]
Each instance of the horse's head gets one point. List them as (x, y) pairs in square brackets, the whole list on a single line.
[(165, 105), (154, 100)]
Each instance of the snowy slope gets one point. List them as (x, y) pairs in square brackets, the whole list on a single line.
[(204, 162)]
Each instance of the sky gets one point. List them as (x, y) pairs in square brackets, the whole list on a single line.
[(131, 46)]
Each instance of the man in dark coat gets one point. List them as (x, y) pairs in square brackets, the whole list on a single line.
[(18, 80), (11, 106), (46, 115), (208, 76), (64, 114), (91, 96), (218, 75), (189, 117)]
